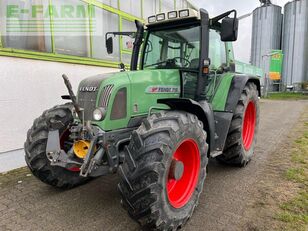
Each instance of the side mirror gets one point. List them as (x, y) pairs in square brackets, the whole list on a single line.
[(109, 45), (229, 29)]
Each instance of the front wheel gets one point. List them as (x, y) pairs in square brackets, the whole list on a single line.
[(164, 170), (242, 134), (35, 148)]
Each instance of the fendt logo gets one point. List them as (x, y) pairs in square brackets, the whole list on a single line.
[(88, 89)]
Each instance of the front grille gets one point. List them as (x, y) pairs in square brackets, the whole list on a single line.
[(106, 93), (87, 99)]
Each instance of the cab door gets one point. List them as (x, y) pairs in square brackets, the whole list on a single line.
[(218, 66)]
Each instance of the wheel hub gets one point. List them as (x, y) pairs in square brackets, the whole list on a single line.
[(176, 170)]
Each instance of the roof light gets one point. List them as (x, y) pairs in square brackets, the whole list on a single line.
[(184, 13), (152, 19), (172, 14), (160, 17)]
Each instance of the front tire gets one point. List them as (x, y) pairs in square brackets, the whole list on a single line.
[(35, 149), (242, 134), (164, 170)]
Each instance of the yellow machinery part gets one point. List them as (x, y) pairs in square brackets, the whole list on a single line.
[(81, 148)]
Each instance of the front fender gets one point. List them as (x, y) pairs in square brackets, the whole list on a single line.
[(202, 110)]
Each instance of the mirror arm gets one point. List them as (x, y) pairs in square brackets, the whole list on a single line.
[(130, 34), (219, 17)]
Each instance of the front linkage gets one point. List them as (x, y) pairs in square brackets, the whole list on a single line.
[(100, 156)]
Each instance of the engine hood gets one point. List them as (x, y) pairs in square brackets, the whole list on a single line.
[(139, 90), (96, 90), (92, 83)]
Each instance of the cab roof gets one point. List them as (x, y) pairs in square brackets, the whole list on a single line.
[(172, 16)]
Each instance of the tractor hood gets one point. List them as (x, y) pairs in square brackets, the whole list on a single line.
[(94, 89), (126, 95)]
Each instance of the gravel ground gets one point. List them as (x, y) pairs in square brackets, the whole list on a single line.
[(27, 204)]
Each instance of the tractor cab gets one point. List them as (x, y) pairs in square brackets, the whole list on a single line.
[(186, 40)]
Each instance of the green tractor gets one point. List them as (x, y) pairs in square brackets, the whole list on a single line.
[(157, 124)]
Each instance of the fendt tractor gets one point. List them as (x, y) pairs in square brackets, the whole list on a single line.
[(181, 103)]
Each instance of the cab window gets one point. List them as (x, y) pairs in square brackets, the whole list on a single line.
[(217, 50), (173, 49)]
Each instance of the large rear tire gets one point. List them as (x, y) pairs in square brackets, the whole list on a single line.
[(242, 135), (35, 149), (164, 170)]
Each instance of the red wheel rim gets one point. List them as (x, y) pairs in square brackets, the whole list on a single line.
[(180, 191), (64, 136), (249, 125)]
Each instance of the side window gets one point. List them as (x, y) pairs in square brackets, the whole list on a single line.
[(153, 48), (217, 50)]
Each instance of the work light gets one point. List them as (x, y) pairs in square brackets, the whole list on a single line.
[(172, 14), (160, 17), (184, 13), (152, 19)]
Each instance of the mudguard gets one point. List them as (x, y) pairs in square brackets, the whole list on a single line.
[(237, 86), (202, 110)]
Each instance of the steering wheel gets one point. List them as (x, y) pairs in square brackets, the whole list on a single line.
[(171, 62), (186, 61)]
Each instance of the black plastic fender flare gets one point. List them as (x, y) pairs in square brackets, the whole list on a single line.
[(237, 86), (202, 110)]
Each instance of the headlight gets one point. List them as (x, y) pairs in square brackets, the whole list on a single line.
[(99, 113)]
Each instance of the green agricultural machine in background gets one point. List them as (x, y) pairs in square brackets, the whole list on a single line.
[(275, 69), (157, 124)]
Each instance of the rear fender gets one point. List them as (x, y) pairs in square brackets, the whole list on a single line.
[(202, 110), (237, 86)]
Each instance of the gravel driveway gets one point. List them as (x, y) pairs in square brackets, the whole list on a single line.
[(27, 204)]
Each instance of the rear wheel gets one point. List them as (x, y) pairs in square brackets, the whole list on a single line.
[(35, 148), (242, 135), (164, 170)]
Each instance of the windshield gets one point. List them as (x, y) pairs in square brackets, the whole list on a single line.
[(173, 49)]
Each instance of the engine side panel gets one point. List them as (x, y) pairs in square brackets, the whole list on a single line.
[(150, 85)]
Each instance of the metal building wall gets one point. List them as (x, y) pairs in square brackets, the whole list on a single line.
[(266, 34), (295, 44)]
